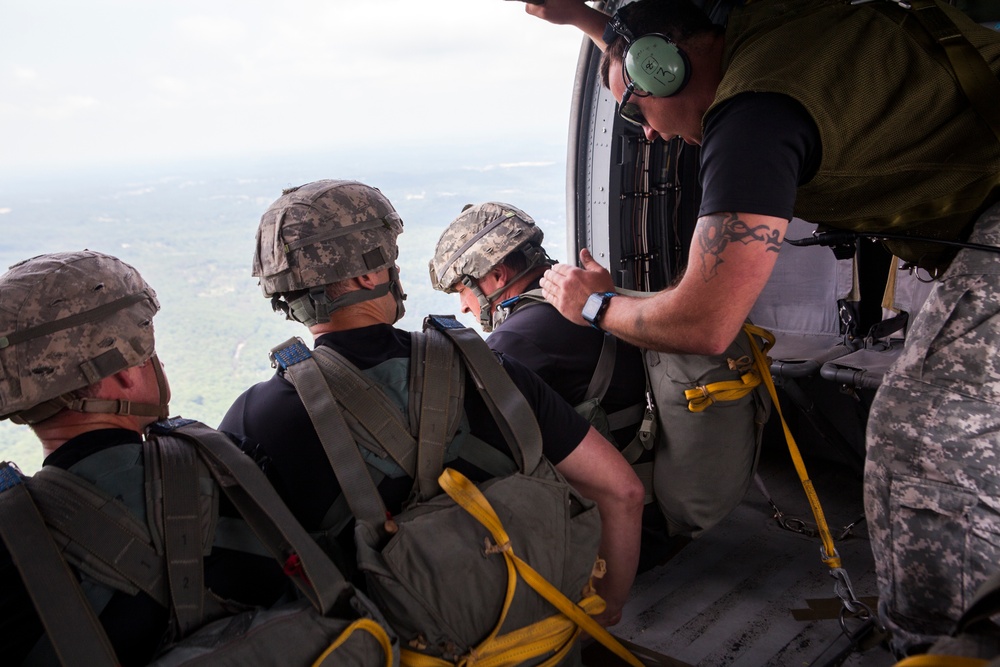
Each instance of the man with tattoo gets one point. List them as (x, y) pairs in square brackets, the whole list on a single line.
[(792, 118)]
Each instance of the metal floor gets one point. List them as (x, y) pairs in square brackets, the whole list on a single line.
[(728, 597)]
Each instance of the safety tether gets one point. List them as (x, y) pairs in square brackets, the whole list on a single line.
[(828, 552)]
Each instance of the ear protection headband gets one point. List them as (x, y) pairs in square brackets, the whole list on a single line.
[(656, 65), (653, 62)]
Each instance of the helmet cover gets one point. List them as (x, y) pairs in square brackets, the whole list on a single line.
[(480, 238), (68, 320), (322, 233)]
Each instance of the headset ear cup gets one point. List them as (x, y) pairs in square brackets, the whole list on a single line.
[(657, 65)]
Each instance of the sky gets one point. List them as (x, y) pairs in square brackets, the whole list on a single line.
[(97, 82)]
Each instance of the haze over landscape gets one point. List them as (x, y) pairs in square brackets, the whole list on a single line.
[(159, 132)]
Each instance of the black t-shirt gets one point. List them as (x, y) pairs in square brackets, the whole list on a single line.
[(757, 149), (271, 415), (565, 355), (135, 624)]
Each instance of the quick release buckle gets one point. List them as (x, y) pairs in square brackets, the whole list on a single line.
[(167, 426), (10, 476), (289, 353), (442, 322)]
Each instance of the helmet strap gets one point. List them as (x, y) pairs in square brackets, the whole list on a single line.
[(118, 406), (488, 319), (316, 306)]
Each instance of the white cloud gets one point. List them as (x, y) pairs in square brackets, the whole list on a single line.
[(180, 78)]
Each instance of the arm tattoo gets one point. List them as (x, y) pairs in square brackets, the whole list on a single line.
[(717, 231)]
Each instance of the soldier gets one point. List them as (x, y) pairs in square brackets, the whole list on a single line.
[(792, 121), (491, 255), (326, 256), (80, 369)]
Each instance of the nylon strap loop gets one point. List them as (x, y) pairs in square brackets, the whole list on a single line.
[(471, 499), (70, 622), (829, 552)]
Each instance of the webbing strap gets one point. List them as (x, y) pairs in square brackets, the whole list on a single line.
[(506, 403), (273, 523), (701, 397), (366, 401), (181, 529), (486, 457), (828, 553), (333, 432), (93, 315), (70, 623), (941, 661), (601, 379), (438, 362), (978, 82), (556, 633), (90, 525), (471, 499), (360, 625)]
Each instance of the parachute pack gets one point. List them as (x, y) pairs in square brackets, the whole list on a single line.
[(703, 422), (56, 518), (500, 571)]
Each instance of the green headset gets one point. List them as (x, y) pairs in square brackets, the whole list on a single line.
[(653, 63), (656, 65)]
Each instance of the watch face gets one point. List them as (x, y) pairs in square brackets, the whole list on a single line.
[(593, 307)]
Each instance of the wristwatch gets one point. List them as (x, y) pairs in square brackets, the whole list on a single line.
[(594, 309)]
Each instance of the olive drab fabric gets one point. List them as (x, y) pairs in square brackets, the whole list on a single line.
[(903, 150), (436, 570), (102, 323), (324, 232), (706, 443), (330, 623), (480, 238)]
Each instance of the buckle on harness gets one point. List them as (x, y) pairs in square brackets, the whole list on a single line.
[(289, 353), (166, 426), (442, 322), (10, 476)]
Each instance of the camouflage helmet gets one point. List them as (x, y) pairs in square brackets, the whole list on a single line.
[(479, 239), (67, 321), (319, 234)]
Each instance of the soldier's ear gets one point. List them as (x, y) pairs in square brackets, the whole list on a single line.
[(368, 280), (502, 274)]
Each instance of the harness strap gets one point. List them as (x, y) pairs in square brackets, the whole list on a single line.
[(367, 403), (338, 442), (438, 364), (181, 529), (70, 623), (601, 379), (274, 524), (506, 403), (98, 534)]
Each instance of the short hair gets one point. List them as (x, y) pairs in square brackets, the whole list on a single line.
[(677, 19)]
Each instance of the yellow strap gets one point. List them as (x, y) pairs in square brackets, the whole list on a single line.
[(830, 556), (465, 493), (555, 633), (941, 661), (729, 390), (366, 625)]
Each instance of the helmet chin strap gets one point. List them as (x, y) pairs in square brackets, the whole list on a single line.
[(489, 320), (118, 406), (315, 306), (159, 410)]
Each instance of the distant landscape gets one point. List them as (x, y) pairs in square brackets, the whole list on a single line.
[(189, 229)]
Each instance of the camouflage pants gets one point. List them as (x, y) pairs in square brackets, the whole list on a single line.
[(932, 478)]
